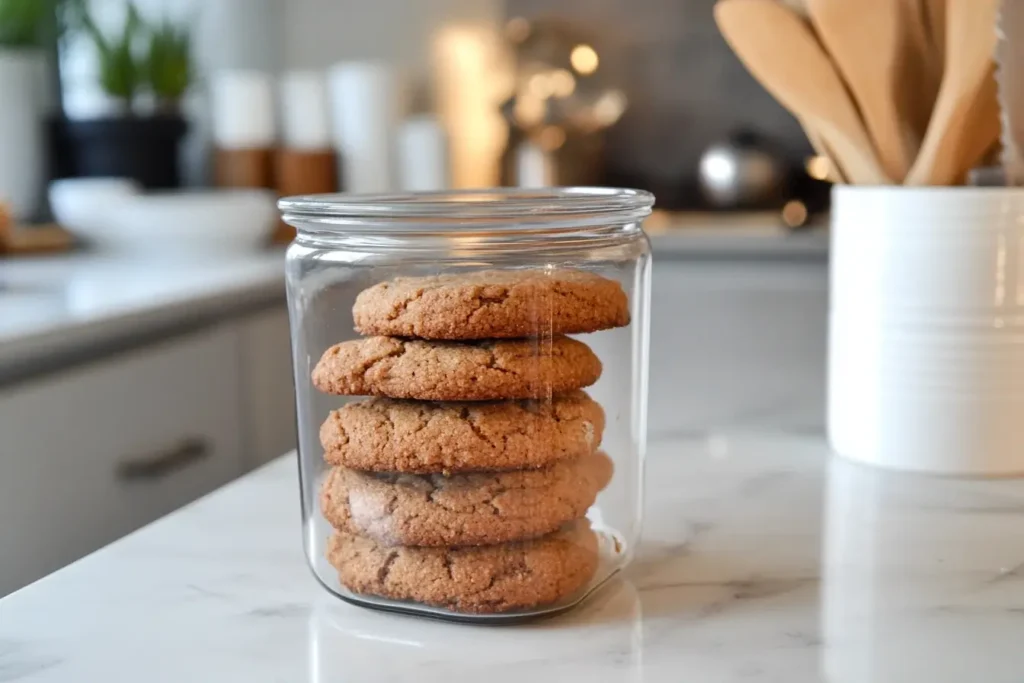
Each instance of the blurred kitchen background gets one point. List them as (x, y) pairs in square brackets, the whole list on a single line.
[(431, 94), (144, 354)]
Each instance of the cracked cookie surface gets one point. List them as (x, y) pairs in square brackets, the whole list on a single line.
[(393, 435), (481, 579), (464, 509), (492, 304), (456, 371)]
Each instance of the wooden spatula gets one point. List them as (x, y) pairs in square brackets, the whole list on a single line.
[(864, 39), (781, 51), (959, 125)]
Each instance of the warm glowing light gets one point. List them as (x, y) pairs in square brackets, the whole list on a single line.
[(551, 138), (794, 213), (528, 110), (818, 167), (471, 81), (609, 107), (584, 59), (562, 83), (540, 85)]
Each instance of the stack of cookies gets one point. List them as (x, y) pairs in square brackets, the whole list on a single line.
[(464, 482)]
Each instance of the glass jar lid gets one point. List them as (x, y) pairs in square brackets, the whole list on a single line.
[(483, 210)]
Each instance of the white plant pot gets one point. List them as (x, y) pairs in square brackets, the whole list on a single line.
[(926, 329), (21, 130)]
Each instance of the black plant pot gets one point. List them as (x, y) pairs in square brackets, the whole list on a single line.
[(144, 149)]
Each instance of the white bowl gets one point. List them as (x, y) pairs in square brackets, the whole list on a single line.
[(201, 222), (83, 206)]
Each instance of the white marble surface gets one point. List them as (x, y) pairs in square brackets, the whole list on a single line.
[(762, 560), (69, 303)]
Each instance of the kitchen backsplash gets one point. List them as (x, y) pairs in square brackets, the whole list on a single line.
[(686, 89)]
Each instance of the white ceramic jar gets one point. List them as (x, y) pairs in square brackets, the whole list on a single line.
[(926, 328)]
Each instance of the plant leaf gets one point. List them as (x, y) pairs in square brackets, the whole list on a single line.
[(169, 64), (23, 23)]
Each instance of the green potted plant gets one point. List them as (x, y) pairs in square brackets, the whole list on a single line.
[(168, 66), (23, 27), (135, 61)]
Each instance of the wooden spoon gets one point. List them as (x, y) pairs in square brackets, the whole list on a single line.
[(865, 40), (959, 125), (781, 51), (836, 174)]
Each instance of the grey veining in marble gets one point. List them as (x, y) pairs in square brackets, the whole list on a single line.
[(763, 560)]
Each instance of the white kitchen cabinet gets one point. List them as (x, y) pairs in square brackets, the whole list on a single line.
[(267, 387), (92, 453)]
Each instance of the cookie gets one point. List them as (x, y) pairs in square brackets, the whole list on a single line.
[(478, 579), (492, 304), (456, 371), (391, 435), (464, 509)]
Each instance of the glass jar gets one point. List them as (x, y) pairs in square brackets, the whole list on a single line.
[(471, 380)]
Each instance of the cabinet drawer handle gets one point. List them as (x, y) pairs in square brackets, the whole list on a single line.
[(185, 453)]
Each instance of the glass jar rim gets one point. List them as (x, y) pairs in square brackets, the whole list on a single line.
[(496, 207)]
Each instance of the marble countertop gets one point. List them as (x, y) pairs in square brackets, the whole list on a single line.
[(66, 304), (763, 559)]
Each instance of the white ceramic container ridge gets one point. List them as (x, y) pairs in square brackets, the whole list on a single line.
[(926, 329)]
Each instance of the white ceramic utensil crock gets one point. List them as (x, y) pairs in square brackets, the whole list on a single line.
[(926, 329)]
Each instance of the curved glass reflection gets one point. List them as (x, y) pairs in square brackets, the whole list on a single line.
[(602, 637)]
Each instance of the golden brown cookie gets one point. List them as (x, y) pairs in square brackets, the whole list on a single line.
[(464, 509), (392, 435), (456, 371), (492, 304), (478, 579)]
